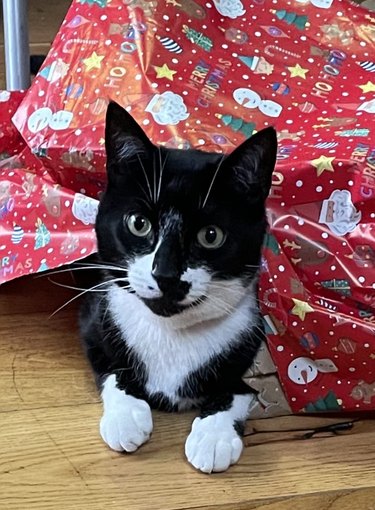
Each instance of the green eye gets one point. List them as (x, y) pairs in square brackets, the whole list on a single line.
[(211, 237), (138, 225)]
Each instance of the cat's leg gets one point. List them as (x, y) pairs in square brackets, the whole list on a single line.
[(215, 440), (127, 421)]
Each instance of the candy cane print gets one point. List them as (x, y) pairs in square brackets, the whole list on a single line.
[(271, 49), (68, 44)]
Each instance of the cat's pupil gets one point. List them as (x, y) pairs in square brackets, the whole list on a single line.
[(139, 223), (211, 235)]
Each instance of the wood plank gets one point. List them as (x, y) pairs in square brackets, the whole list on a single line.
[(58, 459)]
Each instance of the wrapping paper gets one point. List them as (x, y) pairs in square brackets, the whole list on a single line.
[(42, 224), (207, 74)]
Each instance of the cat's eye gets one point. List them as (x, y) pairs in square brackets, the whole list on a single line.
[(211, 237), (138, 225)]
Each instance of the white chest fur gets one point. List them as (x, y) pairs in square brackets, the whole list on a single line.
[(170, 348)]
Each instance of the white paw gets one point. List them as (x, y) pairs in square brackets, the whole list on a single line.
[(213, 444), (126, 425)]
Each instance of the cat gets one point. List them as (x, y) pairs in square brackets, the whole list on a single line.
[(179, 239)]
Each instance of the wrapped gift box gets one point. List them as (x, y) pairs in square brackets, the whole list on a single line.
[(207, 74)]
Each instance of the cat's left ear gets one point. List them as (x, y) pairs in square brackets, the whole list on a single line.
[(124, 139), (254, 161)]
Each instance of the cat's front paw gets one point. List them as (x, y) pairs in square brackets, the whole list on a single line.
[(213, 444), (126, 426)]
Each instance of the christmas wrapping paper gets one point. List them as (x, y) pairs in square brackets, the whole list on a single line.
[(207, 74), (42, 224)]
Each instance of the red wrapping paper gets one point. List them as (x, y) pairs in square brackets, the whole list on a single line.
[(208, 74), (42, 224)]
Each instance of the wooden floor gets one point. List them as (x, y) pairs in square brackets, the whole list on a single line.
[(51, 455)]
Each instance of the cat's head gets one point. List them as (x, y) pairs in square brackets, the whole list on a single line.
[(187, 225)]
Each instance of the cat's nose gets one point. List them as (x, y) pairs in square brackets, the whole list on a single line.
[(171, 286)]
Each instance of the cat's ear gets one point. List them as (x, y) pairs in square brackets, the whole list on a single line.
[(125, 140), (253, 162)]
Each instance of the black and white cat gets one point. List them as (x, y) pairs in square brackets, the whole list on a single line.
[(180, 235)]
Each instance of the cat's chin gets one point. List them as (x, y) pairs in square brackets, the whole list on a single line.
[(166, 308)]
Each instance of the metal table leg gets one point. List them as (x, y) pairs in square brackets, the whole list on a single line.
[(16, 43)]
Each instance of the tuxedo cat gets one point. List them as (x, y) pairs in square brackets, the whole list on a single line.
[(179, 237)]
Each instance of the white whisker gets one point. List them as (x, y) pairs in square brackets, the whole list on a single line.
[(154, 182), (213, 180), (161, 172), (75, 288), (85, 292), (146, 178), (70, 269)]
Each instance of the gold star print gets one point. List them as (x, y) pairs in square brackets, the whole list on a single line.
[(297, 70), (93, 62), (323, 163), (301, 308), (164, 72), (367, 87)]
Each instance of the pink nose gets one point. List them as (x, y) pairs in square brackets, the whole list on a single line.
[(304, 375)]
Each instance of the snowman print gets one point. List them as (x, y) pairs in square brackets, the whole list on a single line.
[(250, 99), (44, 117), (305, 370)]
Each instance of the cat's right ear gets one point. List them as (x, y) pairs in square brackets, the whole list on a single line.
[(125, 141)]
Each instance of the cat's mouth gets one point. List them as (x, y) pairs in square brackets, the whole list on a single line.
[(164, 307)]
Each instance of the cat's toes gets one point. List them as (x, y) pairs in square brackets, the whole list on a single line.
[(126, 427), (211, 447)]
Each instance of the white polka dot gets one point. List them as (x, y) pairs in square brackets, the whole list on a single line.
[(289, 121), (333, 268), (280, 348), (258, 34), (138, 77), (361, 279), (319, 189), (224, 46), (201, 141), (166, 17), (325, 235), (67, 203), (146, 122), (77, 132), (281, 268), (294, 323), (103, 17), (83, 251), (299, 184), (351, 369)]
